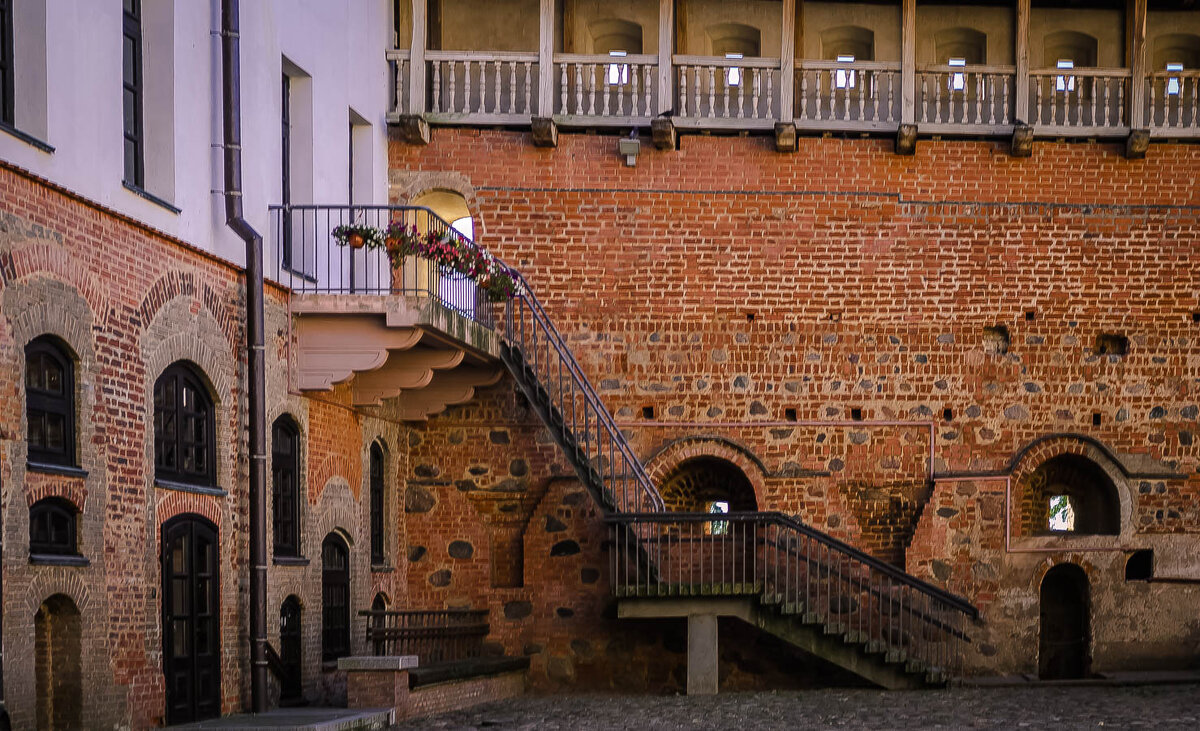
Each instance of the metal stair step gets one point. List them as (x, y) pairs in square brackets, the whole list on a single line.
[(833, 628), (895, 656)]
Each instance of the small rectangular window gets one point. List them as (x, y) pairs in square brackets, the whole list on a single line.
[(845, 78), (1065, 83), (132, 92), (618, 73), (958, 79), (733, 74), (1174, 84), (7, 108)]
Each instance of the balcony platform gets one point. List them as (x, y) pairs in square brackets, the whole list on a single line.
[(388, 346)]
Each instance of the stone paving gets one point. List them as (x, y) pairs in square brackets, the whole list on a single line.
[(1157, 707)]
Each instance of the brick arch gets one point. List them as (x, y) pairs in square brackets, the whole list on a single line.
[(336, 466), (209, 365), (166, 288), (72, 490), (338, 510), (56, 261), (58, 580), (660, 466), (1078, 559), (174, 503), (1031, 458)]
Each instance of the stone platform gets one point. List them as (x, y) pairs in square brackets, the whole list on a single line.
[(301, 719)]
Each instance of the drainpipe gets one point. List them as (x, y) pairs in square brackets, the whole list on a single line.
[(231, 97), (4, 722)]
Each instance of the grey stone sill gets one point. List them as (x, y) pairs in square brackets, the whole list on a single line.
[(390, 663), (55, 559), (27, 138), (382, 568), (291, 561), (185, 487), (143, 193), (55, 469)]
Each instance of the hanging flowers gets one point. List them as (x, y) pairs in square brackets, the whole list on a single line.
[(450, 251)]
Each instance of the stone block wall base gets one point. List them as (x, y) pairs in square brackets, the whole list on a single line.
[(906, 139), (664, 134), (414, 129), (1022, 141), (457, 695), (545, 132), (1137, 143), (785, 137)]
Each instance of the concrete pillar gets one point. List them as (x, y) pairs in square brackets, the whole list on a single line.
[(702, 654)]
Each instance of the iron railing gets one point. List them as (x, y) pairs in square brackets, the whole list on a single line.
[(304, 255), (578, 410), (438, 635), (801, 572)]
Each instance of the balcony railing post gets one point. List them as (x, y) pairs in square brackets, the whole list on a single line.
[(666, 48), (1136, 23), (545, 100), (787, 62), (908, 62), (1021, 91), (416, 64)]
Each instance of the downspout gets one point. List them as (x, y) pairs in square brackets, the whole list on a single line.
[(231, 118)]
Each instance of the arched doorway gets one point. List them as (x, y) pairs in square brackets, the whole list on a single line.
[(58, 645), (291, 651), (191, 618), (335, 597), (700, 549), (1065, 634)]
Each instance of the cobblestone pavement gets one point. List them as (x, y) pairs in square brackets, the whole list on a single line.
[(1157, 707)]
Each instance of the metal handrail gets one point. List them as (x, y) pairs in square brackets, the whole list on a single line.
[(515, 335), (798, 569), (782, 519)]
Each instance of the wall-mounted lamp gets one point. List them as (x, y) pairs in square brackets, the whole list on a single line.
[(630, 147)]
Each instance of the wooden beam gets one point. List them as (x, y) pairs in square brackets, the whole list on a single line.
[(1135, 21), (908, 61), (666, 48), (1021, 56), (787, 61), (568, 27), (681, 20), (434, 39), (416, 64), (546, 60)]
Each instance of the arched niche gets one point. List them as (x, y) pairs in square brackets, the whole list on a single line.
[(848, 40), (965, 43), (1069, 45), (1176, 48), (734, 38), (615, 34)]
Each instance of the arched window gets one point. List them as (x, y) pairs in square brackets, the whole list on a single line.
[(335, 598), (50, 402), (1070, 494), (378, 555), (184, 428), (52, 527), (285, 479)]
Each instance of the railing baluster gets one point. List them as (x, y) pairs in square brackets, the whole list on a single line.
[(579, 88), (437, 86), (803, 95)]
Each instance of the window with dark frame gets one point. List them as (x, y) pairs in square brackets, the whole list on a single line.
[(52, 526), (49, 403), (133, 89), (335, 598), (184, 428), (377, 552), (285, 168), (285, 478), (7, 102)]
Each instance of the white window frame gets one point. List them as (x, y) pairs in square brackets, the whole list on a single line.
[(958, 79), (734, 75), (1063, 83), (617, 74), (1174, 83)]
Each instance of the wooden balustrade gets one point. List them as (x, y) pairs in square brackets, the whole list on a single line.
[(603, 89), (1079, 101), (714, 91), (861, 95), (1173, 101), (482, 87), (950, 98), (398, 61)]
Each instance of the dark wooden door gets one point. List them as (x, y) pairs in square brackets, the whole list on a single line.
[(191, 619), (291, 650), (1063, 638)]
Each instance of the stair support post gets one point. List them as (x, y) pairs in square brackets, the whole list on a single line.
[(702, 654)]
